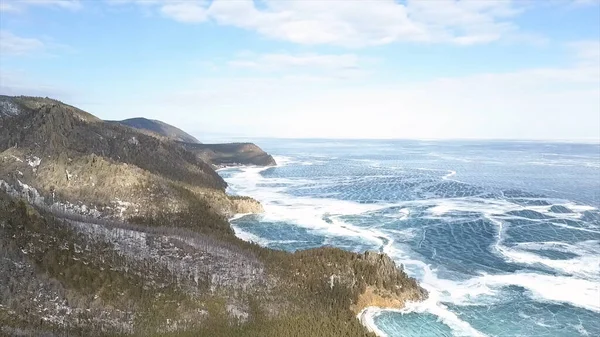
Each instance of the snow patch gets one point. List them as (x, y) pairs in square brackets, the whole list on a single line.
[(33, 197), (34, 162), (332, 279), (122, 206), (236, 312), (133, 141), (9, 109), (16, 158), (23, 191)]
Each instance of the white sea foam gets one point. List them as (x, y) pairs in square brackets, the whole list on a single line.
[(367, 318), (447, 176), (575, 228), (579, 327), (402, 214), (440, 290), (247, 236), (578, 208), (283, 160), (485, 290), (238, 216), (500, 206), (304, 212), (486, 207), (432, 306), (586, 265), (578, 286), (547, 288)]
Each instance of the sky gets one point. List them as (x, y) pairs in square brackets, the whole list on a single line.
[(429, 69)]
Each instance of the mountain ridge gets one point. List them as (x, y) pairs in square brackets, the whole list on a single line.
[(159, 128), (231, 154), (219, 155), (105, 230)]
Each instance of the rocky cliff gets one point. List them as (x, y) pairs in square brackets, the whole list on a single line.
[(219, 155), (105, 230), (70, 157), (231, 154)]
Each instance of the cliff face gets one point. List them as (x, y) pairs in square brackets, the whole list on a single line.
[(105, 230), (73, 158), (368, 279), (231, 154), (398, 290)]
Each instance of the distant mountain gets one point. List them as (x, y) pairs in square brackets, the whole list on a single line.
[(216, 154), (231, 154), (158, 127), (108, 231)]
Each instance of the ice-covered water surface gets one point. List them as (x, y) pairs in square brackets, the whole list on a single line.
[(504, 235)]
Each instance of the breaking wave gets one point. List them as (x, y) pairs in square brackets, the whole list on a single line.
[(484, 252)]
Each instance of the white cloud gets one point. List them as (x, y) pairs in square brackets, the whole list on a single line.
[(347, 23), (19, 5), (11, 44), (586, 2), (8, 7), (587, 52), (465, 22), (138, 2), (14, 83), (189, 11), (539, 103), (322, 66), (282, 60), (360, 23), (354, 23)]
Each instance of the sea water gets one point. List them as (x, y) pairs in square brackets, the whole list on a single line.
[(505, 236)]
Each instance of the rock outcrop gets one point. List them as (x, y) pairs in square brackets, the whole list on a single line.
[(159, 128), (390, 297), (245, 205), (231, 154)]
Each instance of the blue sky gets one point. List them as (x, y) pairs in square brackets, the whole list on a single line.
[(330, 68)]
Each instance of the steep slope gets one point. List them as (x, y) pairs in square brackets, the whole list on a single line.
[(231, 154), (159, 128), (73, 275), (216, 154), (72, 156), (105, 230)]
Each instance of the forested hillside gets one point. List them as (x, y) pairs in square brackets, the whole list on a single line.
[(106, 231)]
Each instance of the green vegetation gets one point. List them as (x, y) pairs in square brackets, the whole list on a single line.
[(199, 216), (162, 260), (51, 129), (142, 297)]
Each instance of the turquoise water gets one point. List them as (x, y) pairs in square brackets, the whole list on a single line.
[(504, 235)]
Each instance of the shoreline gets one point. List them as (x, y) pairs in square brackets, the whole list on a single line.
[(366, 318)]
